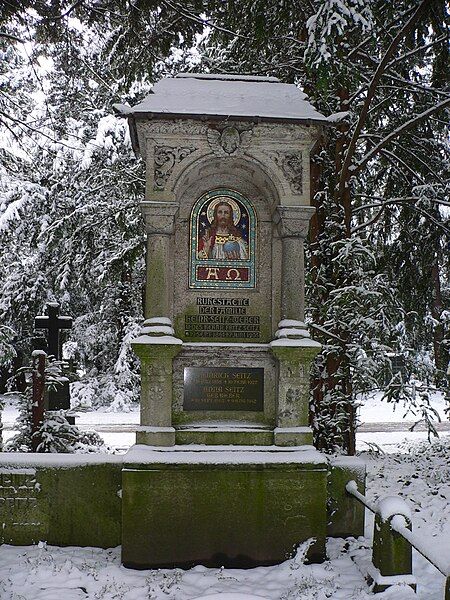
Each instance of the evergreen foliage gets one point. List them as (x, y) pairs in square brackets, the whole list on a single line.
[(55, 434), (378, 280)]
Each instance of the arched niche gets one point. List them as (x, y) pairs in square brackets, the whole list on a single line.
[(253, 282)]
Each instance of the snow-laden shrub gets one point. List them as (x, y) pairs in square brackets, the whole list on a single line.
[(55, 434)]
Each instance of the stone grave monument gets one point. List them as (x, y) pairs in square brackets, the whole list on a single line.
[(224, 471)]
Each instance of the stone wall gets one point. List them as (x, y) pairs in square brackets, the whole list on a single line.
[(63, 500)]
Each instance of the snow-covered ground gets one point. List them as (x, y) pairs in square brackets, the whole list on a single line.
[(417, 471)]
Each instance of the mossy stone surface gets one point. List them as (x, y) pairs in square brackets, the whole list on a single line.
[(223, 515), (233, 436), (345, 513), (73, 506), (392, 554)]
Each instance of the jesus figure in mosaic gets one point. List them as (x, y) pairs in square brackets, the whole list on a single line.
[(222, 241)]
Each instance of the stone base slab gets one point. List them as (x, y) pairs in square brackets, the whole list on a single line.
[(155, 436), (235, 436), (292, 436), (240, 507)]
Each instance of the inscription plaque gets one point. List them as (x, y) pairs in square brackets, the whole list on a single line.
[(223, 388), (222, 318)]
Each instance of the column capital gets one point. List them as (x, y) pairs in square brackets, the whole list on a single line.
[(159, 216), (293, 221)]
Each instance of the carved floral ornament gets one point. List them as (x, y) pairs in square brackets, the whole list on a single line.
[(166, 158), (291, 163)]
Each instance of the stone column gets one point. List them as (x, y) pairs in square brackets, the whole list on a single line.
[(293, 346), (159, 224), (293, 224)]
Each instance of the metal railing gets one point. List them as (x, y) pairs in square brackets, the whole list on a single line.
[(393, 540)]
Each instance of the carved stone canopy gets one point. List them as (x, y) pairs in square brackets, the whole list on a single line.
[(259, 128)]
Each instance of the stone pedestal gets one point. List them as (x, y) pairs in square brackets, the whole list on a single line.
[(156, 348), (295, 351), (238, 508), (224, 472)]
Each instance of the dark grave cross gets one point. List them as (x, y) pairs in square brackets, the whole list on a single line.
[(54, 323)]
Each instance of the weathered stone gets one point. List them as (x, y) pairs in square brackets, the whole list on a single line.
[(345, 513), (293, 384), (67, 501), (391, 554), (156, 354), (197, 508)]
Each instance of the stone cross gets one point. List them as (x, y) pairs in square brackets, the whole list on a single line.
[(54, 323)]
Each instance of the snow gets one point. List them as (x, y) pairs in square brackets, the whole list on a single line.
[(288, 331), (158, 321), (157, 330), (225, 596), (292, 430), (20, 460), (419, 473), (391, 579), (374, 410), (149, 429), (37, 353), (338, 116), (223, 455), (162, 339), (393, 505), (292, 323), (299, 342), (215, 95)]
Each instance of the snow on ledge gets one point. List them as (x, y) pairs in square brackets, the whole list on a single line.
[(21, 460), (292, 430), (160, 339), (393, 505), (292, 323), (152, 429), (157, 330), (292, 331), (379, 579), (158, 321), (299, 343), (223, 455)]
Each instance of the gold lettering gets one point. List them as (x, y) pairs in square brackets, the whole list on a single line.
[(212, 273), (237, 275)]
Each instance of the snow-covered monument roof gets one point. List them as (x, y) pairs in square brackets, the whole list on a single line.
[(192, 95)]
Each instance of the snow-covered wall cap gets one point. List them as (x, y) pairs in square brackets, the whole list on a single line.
[(288, 328), (391, 506), (296, 343), (157, 339), (232, 96), (228, 77)]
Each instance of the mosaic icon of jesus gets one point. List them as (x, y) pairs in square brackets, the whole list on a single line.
[(223, 240)]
